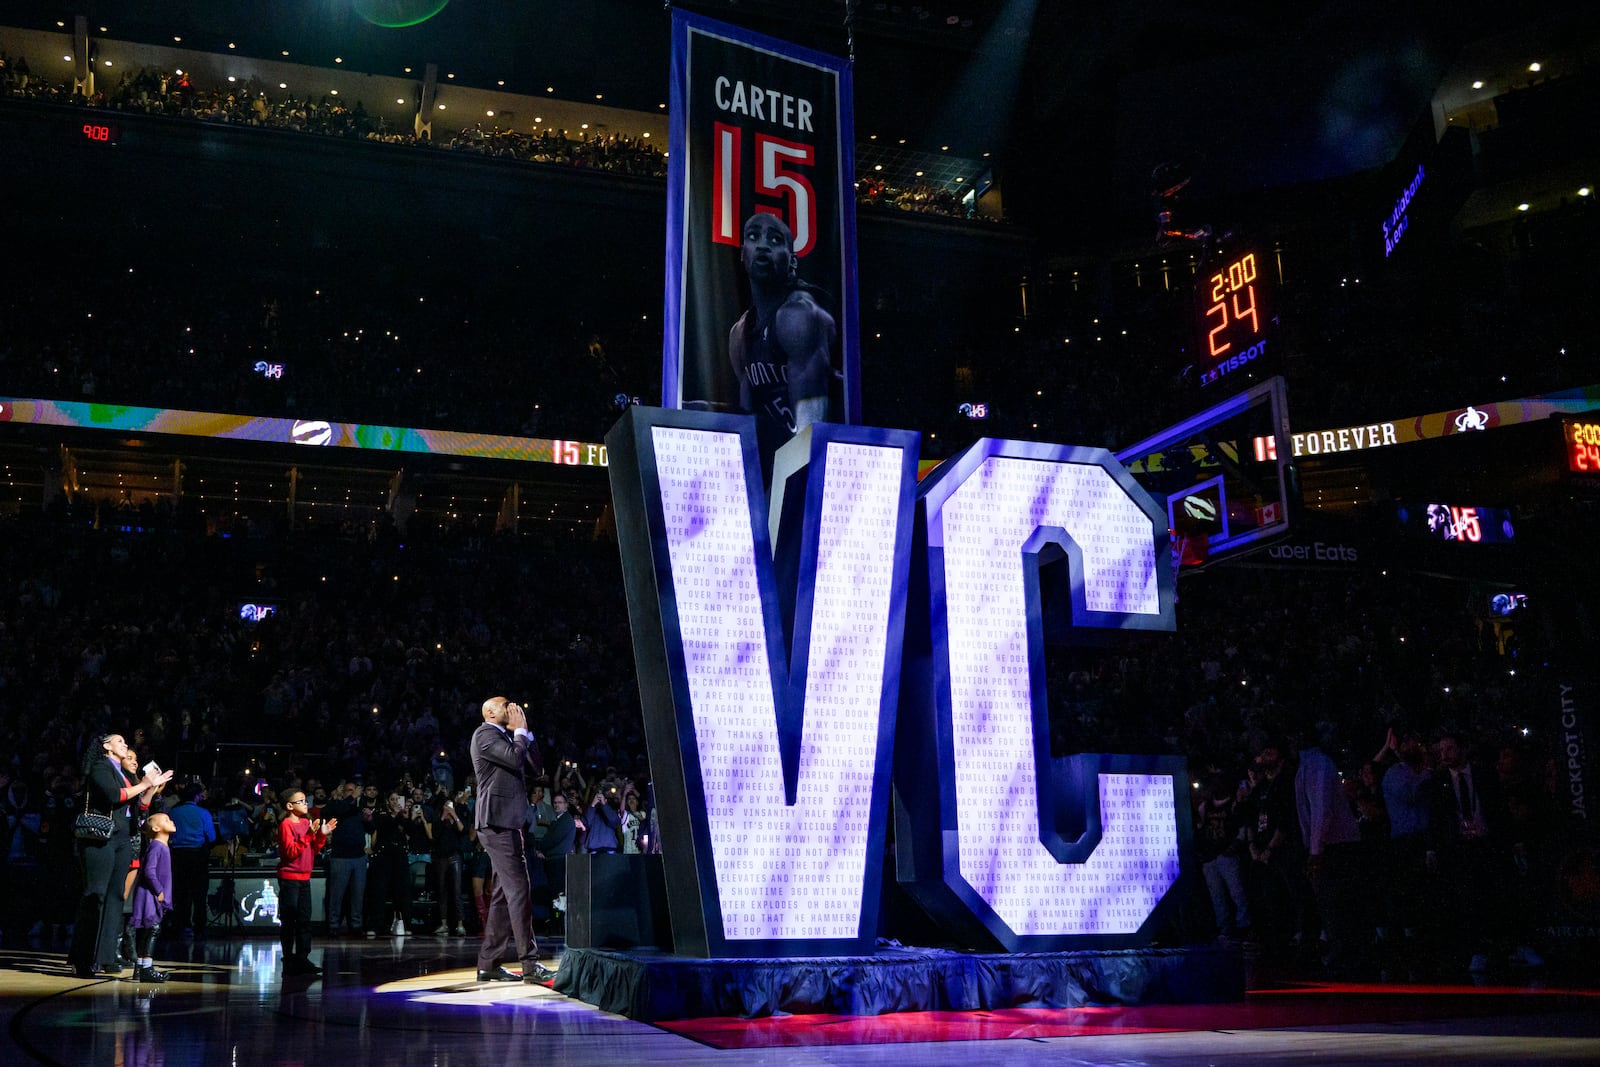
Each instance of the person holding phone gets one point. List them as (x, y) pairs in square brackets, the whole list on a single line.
[(140, 812), (390, 870), (605, 821), (446, 868), (347, 860), (105, 863)]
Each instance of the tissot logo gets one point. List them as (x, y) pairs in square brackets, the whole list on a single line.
[(770, 660)]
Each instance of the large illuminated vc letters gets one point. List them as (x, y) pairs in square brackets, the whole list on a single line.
[(770, 672), (1000, 842), (771, 768)]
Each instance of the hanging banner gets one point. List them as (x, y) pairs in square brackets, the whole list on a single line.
[(761, 276)]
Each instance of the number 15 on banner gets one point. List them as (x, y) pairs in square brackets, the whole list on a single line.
[(777, 177)]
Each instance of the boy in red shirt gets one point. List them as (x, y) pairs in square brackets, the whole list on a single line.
[(299, 840)]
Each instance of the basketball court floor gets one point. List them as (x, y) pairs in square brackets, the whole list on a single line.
[(415, 1001)]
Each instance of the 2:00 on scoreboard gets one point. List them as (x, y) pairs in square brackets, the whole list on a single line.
[(1582, 439)]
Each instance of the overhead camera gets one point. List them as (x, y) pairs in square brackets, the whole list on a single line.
[(1167, 183), (1169, 179)]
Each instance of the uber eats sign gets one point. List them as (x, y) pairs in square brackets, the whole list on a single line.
[(796, 657)]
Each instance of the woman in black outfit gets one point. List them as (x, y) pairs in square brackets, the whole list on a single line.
[(389, 875), (107, 791)]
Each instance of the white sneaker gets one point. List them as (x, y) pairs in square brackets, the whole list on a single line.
[(371, 934), (443, 931), (461, 931)]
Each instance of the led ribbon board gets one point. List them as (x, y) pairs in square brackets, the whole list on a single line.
[(999, 842), (309, 433), (770, 713), (769, 765)]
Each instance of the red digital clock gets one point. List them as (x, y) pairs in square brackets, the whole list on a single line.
[(1232, 303), (1582, 441), (99, 132)]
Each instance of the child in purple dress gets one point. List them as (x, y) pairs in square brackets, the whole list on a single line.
[(152, 894)]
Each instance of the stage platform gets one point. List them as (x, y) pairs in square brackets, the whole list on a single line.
[(653, 986)]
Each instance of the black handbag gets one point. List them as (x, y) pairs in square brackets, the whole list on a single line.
[(92, 826)]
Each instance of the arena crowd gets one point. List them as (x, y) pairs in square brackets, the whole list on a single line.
[(152, 91), (363, 688)]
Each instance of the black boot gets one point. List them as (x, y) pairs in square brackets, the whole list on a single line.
[(126, 956), (149, 974)]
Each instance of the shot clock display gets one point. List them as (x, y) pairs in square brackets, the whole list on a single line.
[(1582, 441), (1233, 314)]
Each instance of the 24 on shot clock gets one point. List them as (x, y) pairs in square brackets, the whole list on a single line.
[(1234, 315)]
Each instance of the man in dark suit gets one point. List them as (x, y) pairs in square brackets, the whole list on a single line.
[(1469, 855), (559, 841), (502, 750)]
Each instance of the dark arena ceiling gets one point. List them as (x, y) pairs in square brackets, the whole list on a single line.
[(1077, 100)]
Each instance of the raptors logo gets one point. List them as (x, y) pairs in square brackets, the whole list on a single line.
[(311, 433)]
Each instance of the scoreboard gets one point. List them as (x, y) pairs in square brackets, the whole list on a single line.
[(1580, 438), (1233, 314)]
